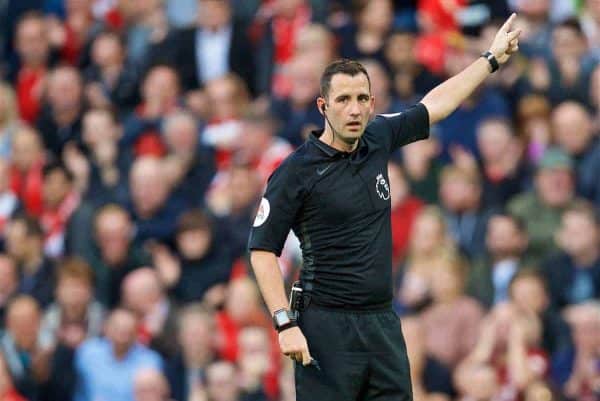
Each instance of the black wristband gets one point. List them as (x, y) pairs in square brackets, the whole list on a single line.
[(284, 319), (291, 324), (492, 60)]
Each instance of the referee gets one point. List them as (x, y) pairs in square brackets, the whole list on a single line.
[(333, 192)]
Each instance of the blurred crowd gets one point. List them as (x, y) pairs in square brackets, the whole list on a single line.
[(136, 138)]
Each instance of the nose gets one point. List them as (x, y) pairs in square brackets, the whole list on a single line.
[(355, 109)]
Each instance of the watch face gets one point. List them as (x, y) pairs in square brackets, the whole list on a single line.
[(282, 318)]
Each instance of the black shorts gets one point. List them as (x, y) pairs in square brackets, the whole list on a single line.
[(361, 354)]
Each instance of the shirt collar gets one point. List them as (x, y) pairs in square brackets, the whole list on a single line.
[(364, 146)]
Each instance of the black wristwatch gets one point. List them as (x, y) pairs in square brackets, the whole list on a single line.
[(284, 319), (492, 60)]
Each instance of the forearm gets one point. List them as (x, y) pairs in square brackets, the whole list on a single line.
[(268, 275), (447, 96)]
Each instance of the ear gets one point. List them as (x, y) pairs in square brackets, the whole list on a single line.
[(321, 104)]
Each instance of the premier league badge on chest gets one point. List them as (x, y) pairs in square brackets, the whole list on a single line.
[(382, 187)]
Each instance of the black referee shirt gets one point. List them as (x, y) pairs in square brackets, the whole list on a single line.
[(338, 205)]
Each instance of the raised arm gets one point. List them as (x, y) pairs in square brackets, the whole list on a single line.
[(447, 96)]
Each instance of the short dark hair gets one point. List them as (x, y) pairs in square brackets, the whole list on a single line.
[(571, 23), (32, 225), (75, 268), (192, 220), (341, 66), (55, 166)]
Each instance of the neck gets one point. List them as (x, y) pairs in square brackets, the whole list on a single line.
[(32, 263), (587, 257), (197, 360), (335, 141), (66, 116)]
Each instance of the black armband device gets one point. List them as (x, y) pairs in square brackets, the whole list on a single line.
[(284, 319), (492, 60)]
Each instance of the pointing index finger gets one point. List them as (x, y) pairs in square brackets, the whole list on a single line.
[(508, 23)]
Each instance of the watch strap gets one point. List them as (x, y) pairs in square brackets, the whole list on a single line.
[(291, 320), (492, 60)]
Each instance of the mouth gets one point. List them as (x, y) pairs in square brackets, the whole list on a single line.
[(354, 125)]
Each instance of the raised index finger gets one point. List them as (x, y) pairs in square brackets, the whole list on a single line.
[(508, 23)]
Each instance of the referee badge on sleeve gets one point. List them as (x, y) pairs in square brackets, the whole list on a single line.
[(263, 212)]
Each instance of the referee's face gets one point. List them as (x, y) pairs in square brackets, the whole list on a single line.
[(349, 106)]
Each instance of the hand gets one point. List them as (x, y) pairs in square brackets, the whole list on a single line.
[(167, 266), (293, 344), (506, 41)]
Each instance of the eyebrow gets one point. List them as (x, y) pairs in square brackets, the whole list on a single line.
[(345, 95)]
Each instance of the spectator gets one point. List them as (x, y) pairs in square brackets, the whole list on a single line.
[(60, 118), (507, 331), (234, 199), (284, 20), (75, 315), (296, 113), (366, 35), (380, 87), (28, 160), (405, 208), (229, 99), (256, 372), (540, 209), (423, 169), (576, 369), (154, 209), (197, 349), (242, 309), (190, 165), (566, 74), (467, 217), (529, 292), (26, 352), (574, 272), (316, 41), (9, 283), (29, 72), (259, 147), (534, 19), (221, 382), (143, 294), (503, 172), (506, 244), (160, 91), (429, 239), (201, 265), (573, 131), (430, 379), (72, 318), (60, 201), (150, 385), (106, 180), (115, 253), (410, 78), (106, 367), (217, 45), (109, 83), (25, 244), (533, 114), (452, 320)]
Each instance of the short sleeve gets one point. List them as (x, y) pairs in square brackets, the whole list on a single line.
[(406, 127), (277, 210)]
